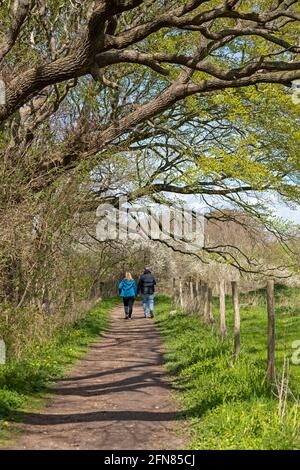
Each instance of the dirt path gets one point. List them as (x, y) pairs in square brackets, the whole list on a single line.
[(117, 397)]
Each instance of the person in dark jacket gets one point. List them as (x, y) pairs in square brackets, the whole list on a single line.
[(146, 288), (128, 290)]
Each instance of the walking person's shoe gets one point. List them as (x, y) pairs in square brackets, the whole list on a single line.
[(151, 314), (126, 313)]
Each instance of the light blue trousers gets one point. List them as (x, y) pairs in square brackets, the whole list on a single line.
[(148, 303)]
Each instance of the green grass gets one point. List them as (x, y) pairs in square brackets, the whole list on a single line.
[(230, 405), (24, 384)]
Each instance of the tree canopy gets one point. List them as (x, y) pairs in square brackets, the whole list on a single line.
[(156, 100)]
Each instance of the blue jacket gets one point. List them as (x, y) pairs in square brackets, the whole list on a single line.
[(127, 288)]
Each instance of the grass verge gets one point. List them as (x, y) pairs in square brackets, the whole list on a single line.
[(230, 405), (24, 384)]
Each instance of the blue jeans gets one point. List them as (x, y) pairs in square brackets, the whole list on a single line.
[(148, 303)]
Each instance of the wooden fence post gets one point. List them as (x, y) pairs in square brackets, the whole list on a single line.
[(204, 301), (211, 318), (271, 332), (174, 288), (191, 290), (198, 294), (180, 293), (223, 329), (236, 318)]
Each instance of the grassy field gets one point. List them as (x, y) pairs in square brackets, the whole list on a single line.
[(230, 405), (24, 383)]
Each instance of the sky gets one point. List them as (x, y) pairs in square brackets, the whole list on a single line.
[(278, 208), (287, 213)]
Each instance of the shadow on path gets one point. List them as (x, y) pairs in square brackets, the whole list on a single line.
[(117, 397)]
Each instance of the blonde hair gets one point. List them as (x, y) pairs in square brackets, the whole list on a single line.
[(128, 276)]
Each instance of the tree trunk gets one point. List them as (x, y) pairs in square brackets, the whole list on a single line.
[(223, 329), (271, 332), (236, 318)]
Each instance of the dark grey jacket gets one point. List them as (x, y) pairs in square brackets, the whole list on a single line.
[(146, 283)]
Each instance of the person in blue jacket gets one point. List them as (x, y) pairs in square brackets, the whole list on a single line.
[(128, 290)]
